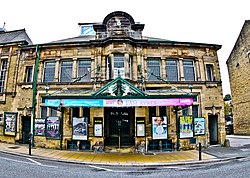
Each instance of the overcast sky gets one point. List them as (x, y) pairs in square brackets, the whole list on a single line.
[(210, 21)]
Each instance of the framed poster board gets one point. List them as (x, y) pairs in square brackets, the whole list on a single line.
[(186, 127), (53, 127), (40, 126), (140, 126), (80, 128), (199, 126), (159, 127), (98, 126), (10, 120)]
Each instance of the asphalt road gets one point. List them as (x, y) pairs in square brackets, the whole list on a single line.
[(22, 167)]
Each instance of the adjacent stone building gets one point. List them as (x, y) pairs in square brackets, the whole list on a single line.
[(10, 54), (238, 65), (112, 87)]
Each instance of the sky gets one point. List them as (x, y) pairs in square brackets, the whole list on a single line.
[(200, 21)]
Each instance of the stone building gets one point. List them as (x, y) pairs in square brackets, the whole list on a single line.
[(113, 87), (238, 65), (10, 42)]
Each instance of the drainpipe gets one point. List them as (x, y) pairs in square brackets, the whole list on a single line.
[(177, 128), (34, 87)]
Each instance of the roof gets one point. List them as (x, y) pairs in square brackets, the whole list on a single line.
[(88, 38), (14, 36)]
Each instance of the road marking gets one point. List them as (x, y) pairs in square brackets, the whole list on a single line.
[(34, 161), (105, 169)]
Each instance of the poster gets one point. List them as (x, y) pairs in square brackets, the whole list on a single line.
[(40, 127), (159, 127), (80, 128), (53, 127), (186, 127), (10, 123), (199, 126), (98, 130), (140, 128)]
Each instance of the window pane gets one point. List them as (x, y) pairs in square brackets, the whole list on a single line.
[(153, 66), (49, 71), (185, 111), (209, 68), (2, 75), (119, 65), (195, 111), (188, 70), (66, 71), (151, 113), (84, 69), (53, 112), (29, 74), (43, 112), (172, 70)]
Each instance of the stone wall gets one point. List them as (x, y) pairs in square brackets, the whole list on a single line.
[(238, 68)]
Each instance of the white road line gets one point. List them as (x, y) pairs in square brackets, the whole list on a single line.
[(34, 161), (105, 169)]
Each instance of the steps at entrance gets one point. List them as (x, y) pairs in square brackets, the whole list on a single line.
[(109, 149)]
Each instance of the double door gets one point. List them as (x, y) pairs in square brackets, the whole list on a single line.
[(119, 127)]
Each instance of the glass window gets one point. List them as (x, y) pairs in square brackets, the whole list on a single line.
[(66, 71), (153, 67), (75, 112), (172, 70), (53, 112), (163, 110), (188, 66), (43, 111), (151, 113), (195, 111), (185, 111), (119, 65), (28, 77), (209, 68), (49, 71), (3, 75), (84, 69)]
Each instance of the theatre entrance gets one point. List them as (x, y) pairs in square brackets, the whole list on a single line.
[(119, 127)]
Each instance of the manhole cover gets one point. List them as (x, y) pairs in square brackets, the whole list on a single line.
[(13, 147)]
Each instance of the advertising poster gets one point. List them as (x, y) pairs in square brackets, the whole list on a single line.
[(80, 128), (140, 128), (98, 130), (40, 127), (10, 123), (159, 127), (53, 127), (186, 127), (199, 126)]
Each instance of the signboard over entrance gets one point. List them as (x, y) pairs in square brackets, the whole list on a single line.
[(118, 102)]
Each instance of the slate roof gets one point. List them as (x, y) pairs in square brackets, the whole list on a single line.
[(14, 36)]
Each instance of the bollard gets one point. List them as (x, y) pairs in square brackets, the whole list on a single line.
[(199, 151), (30, 143)]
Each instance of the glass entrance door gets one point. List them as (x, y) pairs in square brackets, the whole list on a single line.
[(119, 127)]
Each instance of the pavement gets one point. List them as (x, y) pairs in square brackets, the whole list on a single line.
[(240, 148)]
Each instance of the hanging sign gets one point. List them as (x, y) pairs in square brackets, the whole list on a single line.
[(10, 120), (159, 127), (80, 128), (199, 126)]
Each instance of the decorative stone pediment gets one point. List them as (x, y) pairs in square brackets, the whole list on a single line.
[(120, 88)]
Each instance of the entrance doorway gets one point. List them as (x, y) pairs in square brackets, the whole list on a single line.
[(213, 129), (119, 127), (26, 124)]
